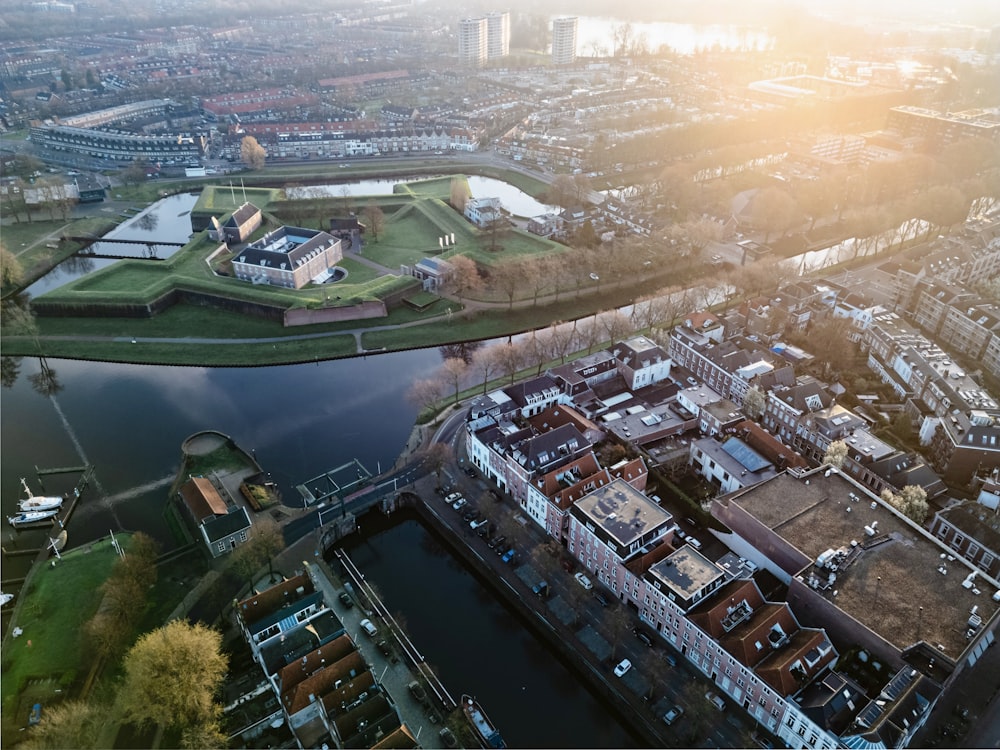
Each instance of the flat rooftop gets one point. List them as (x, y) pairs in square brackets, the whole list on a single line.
[(685, 572), (623, 512), (886, 584)]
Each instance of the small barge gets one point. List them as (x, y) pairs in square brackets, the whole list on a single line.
[(484, 728)]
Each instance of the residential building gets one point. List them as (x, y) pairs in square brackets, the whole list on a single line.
[(564, 30), (289, 257), (642, 362), (973, 531), (863, 571), (222, 526), (483, 212), (497, 34), (473, 41), (729, 465), (243, 222), (939, 129)]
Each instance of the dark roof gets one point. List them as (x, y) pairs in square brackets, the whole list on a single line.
[(221, 527), (242, 215)]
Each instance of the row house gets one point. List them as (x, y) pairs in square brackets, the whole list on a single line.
[(512, 456), (785, 406), (729, 465), (326, 690), (964, 446), (117, 147), (611, 525), (550, 496), (729, 367), (642, 362)]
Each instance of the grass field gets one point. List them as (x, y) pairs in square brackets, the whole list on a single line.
[(52, 653)]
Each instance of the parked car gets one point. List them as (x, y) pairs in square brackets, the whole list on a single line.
[(497, 544), (692, 381), (671, 660), (459, 504), (691, 521), (583, 581), (693, 542), (447, 737), (541, 588), (369, 627), (602, 600), (345, 599), (623, 666), (417, 691), (673, 715), (642, 636), (508, 555), (453, 497), (715, 700), (476, 525), (680, 534), (470, 472), (384, 647)]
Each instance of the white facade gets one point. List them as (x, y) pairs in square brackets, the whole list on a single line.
[(497, 34), (472, 36), (564, 41)]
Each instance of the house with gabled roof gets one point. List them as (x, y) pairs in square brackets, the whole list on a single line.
[(222, 526), (242, 223)]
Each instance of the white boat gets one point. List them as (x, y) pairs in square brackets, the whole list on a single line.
[(480, 722), (4, 598), (31, 516), (38, 502)]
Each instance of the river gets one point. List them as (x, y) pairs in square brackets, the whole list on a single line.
[(129, 421)]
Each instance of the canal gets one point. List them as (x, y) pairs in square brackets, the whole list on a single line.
[(476, 645)]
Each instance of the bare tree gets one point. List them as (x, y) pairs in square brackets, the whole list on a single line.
[(465, 276), (506, 278), (562, 339), (453, 370), (511, 356), (486, 361), (425, 393), (374, 219), (616, 325)]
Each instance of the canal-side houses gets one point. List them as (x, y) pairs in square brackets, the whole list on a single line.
[(221, 526), (325, 690)]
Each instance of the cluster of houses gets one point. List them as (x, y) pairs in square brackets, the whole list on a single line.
[(325, 690), (784, 612)]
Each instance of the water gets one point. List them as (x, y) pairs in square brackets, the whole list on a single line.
[(514, 199), (478, 647), (167, 220), (130, 420), (682, 38)]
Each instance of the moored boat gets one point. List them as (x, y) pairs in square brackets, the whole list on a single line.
[(31, 516), (488, 733), (5, 598), (38, 502)]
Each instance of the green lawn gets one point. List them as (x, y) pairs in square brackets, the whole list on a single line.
[(51, 609)]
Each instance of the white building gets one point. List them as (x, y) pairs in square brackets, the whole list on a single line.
[(564, 40)]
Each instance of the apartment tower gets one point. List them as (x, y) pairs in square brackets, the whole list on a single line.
[(564, 41)]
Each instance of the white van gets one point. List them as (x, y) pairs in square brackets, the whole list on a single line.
[(369, 627), (693, 542)]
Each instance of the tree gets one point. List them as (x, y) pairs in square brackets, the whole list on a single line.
[(204, 734), (264, 542), (511, 355), (134, 173), (616, 325), (911, 502), (486, 362), (73, 723), (437, 456), (11, 273), (775, 210), (424, 393), (454, 369), (506, 279), (754, 402), (252, 153), (459, 193), (465, 276), (172, 675), (374, 219), (835, 454)]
